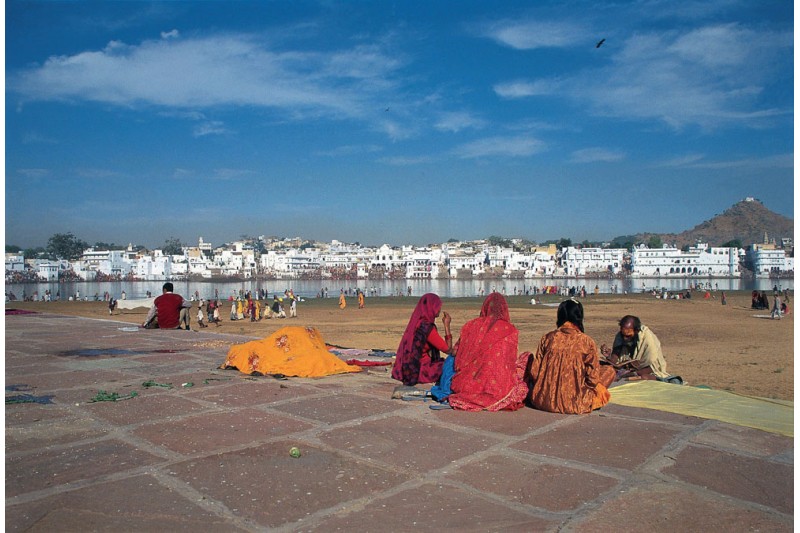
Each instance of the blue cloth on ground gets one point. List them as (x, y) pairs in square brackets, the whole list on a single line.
[(441, 390)]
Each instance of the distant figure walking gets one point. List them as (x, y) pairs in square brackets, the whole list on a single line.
[(777, 311), (342, 300)]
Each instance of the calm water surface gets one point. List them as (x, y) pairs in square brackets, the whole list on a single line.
[(444, 288)]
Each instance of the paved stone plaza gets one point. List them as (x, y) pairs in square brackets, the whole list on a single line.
[(214, 456)]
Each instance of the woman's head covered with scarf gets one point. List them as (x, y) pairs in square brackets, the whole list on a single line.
[(427, 309), (495, 308), (570, 311), (406, 368)]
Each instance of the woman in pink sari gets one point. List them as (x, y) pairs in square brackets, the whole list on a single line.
[(489, 373), (418, 357)]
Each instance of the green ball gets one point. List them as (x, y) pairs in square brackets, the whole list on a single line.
[(294, 451)]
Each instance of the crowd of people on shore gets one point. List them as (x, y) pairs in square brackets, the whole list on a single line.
[(173, 309), (484, 369), (780, 305)]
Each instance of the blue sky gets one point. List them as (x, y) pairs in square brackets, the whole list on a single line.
[(406, 122)]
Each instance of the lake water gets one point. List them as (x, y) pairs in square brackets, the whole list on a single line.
[(444, 288)]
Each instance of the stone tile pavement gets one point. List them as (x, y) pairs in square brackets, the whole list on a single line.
[(214, 456)]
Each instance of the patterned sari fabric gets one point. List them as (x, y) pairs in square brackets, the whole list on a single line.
[(489, 372), (417, 361), (566, 373), (290, 351)]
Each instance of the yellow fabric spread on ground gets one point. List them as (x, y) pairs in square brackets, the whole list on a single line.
[(775, 416), (291, 351)]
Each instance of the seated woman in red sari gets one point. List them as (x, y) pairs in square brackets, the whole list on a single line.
[(419, 355), (489, 373), (566, 372)]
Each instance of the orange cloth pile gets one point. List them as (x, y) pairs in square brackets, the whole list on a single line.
[(291, 351)]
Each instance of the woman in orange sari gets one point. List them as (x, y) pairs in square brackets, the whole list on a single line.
[(566, 372), (489, 373)]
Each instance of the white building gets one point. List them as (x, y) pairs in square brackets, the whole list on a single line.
[(424, 263), (767, 261), (115, 264), (153, 268), (14, 263), (48, 271), (583, 261), (698, 261)]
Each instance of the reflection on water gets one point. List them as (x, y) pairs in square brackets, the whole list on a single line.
[(445, 288)]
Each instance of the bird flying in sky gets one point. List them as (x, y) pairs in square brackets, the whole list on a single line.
[(600, 43)]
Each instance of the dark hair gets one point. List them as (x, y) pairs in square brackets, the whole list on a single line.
[(637, 324), (168, 287), (570, 311)]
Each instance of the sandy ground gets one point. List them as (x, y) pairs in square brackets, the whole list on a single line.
[(725, 347)]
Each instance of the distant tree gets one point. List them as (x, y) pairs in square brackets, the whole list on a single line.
[(563, 242), (34, 253), (12, 249), (655, 242), (305, 246), (107, 246), (65, 246), (735, 243), (494, 240), (451, 240), (172, 246), (623, 241)]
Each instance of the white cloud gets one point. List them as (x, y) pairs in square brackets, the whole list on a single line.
[(169, 34), (347, 150), (220, 70), (775, 161), (532, 34), (710, 77), (500, 146), (404, 161), (457, 121), (34, 173), (593, 155), (523, 89), (212, 127)]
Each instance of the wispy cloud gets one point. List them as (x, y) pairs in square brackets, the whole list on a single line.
[(500, 146), (699, 161), (36, 138), (524, 89), (405, 161), (187, 74), (679, 78), (98, 173), (34, 173), (213, 127), (457, 121), (527, 35), (593, 155), (348, 150)]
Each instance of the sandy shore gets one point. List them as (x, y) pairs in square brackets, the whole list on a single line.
[(728, 347)]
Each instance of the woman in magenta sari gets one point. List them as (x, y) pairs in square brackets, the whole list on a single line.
[(489, 373), (418, 356)]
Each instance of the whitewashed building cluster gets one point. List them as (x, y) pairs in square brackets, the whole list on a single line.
[(699, 260), (293, 259)]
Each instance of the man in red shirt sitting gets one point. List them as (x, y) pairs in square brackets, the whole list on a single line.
[(169, 311)]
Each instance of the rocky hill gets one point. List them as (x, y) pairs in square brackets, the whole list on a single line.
[(747, 221)]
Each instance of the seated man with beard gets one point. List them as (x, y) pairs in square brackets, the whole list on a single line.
[(636, 351)]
